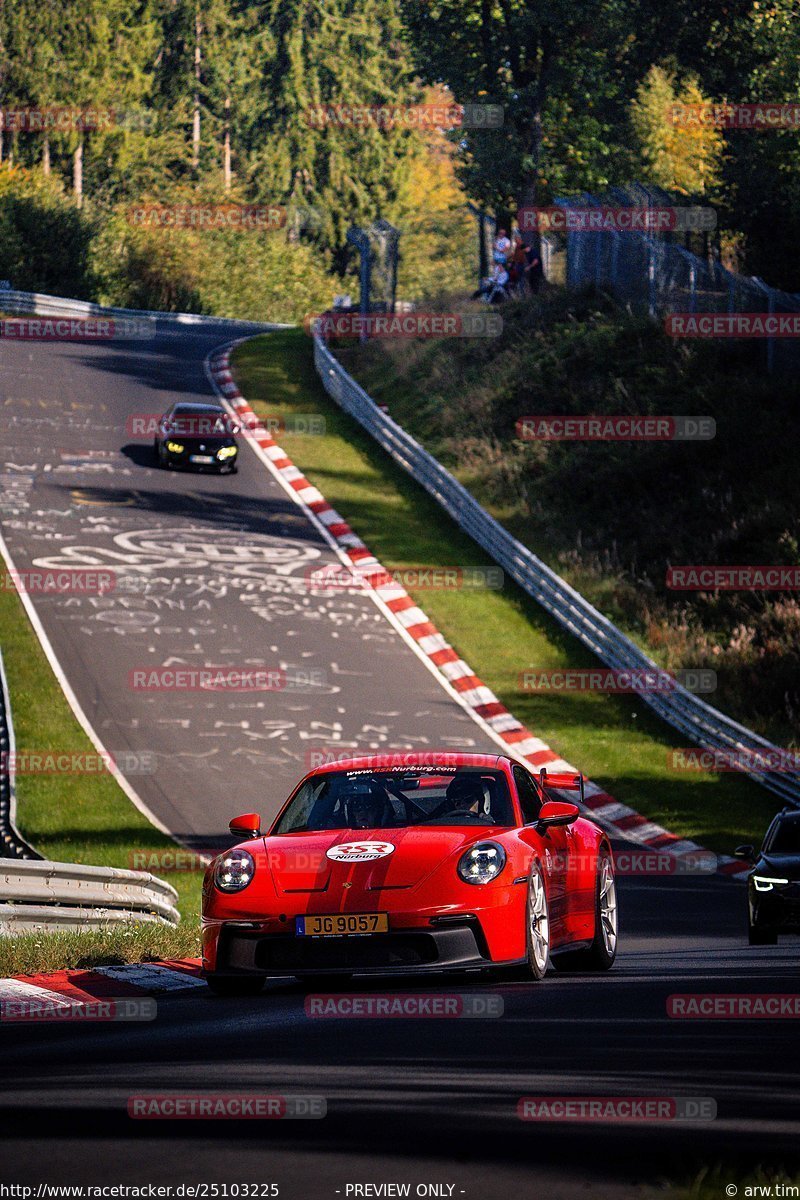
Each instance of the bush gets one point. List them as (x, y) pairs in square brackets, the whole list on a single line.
[(45, 240), (257, 276)]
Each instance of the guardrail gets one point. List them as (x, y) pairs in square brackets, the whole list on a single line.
[(50, 896), (12, 843), (705, 726), (39, 896), (40, 304)]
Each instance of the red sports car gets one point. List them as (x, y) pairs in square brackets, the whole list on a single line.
[(413, 862)]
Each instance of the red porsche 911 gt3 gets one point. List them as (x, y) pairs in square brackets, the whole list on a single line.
[(414, 863)]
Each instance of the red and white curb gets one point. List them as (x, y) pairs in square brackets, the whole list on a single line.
[(72, 990), (453, 673)]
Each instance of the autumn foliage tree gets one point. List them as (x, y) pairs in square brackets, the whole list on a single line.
[(680, 151)]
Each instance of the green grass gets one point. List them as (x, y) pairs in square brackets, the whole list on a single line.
[(77, 818), (30, 954), (615, 740)]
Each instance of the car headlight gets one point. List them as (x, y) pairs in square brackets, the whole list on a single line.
[(482, 863), (234, 871), (227, 452), (765, 883), (175, 447)]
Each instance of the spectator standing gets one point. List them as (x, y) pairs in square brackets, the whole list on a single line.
[(533, 266), (517, 275), (502, 247)]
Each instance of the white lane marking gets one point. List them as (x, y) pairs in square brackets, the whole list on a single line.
[(17, 989), (151, 977)]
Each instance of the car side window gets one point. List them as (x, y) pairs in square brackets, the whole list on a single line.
[(528, 795)]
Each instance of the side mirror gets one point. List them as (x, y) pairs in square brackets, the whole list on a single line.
[(745, 852), (247, 826), (556, 812)]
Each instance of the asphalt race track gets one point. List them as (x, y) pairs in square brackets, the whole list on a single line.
[(428, 1101), (209, 571), (434, 1099)]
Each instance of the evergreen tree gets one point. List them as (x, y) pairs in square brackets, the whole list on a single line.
[(331, 53)]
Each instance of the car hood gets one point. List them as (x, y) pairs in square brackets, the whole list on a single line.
[(211, 442), (368, 860), (784, 866)]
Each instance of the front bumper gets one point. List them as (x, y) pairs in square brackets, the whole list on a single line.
[(248, 951), (778, 909), (183, 458)]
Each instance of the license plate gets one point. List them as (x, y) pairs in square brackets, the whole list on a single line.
[(201, 458), (342, 924)]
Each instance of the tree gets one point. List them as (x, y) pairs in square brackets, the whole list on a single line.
[(526, 57), (682, 157), (347, 53), (237, 44), (437, 244), (762, 170)]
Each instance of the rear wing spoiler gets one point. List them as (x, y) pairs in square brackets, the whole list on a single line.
[(561, 781)]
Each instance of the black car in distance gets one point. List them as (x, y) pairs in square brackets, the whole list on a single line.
[(202, 436), (773, 885)]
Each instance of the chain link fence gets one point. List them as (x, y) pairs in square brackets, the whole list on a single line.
[(653, 274)]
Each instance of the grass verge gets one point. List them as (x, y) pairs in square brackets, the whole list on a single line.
[(614, 739), (77, 818), (33, 953)]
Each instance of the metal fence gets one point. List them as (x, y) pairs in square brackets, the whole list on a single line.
[(703, 725), (654, 275)]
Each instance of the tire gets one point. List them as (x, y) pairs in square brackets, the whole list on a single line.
[(537, 926), (758, 936), (157, 454), (603, 950), (233, 985)]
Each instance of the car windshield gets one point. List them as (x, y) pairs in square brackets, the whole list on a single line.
[(200, 422), (785, 837), (367, 799)]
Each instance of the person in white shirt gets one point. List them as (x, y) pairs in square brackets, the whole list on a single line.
[(502, 247)]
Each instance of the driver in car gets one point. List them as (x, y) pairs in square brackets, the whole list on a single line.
[(367, 806), (465, 794)]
